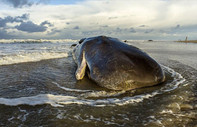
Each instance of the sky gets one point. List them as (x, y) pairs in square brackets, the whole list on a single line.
[(76, 19)]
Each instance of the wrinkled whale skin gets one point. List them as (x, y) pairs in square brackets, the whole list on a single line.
[(115, 65)]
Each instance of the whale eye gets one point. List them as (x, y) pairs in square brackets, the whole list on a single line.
[(81, 40)]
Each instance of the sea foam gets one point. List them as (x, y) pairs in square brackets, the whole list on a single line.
[(94, 98), (30, 57)]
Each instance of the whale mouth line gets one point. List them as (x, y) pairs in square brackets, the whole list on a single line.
[(94, 98)]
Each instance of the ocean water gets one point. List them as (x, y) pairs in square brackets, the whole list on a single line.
[(38, 88)]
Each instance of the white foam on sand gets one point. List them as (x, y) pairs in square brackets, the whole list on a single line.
[(30, 57), (70, 89), (177, 80), (37, 100), (94, 98), (60, 100)]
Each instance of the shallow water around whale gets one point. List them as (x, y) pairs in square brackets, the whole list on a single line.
[(38, 88)]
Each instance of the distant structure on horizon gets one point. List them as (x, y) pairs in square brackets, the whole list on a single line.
[(186, 38), (187, 41)]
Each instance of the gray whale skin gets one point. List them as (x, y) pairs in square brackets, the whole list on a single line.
[(115, 65)]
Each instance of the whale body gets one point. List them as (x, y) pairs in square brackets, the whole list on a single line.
[(115, 65)]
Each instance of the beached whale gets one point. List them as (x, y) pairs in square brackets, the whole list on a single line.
[(115, 65)]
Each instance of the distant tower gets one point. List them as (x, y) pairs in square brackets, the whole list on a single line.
[(186, 39)]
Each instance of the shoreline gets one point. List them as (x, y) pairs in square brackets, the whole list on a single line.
[(188, 41)]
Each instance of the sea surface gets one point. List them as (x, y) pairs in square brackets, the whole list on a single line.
[(38, 88)]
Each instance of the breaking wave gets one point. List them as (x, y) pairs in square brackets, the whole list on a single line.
[(7, 41), (30, 57)]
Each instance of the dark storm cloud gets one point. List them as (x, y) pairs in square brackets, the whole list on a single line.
[(3, 22), (19, 3), (31, 27), (46, 23), (25, 24), (23, 3), (24, 16), (9, 19)]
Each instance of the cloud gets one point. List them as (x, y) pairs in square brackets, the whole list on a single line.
[(118, 29), (31, 27), (19, 3), (24, 3), (143, 26), (76, 27), (104, 26), (132, 30), (46, 23), (177, 26), (25, 24), (9, 19), (93, 33), (112, 18), (148, 31), (54, 31), (138, 19), (4, 35)]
